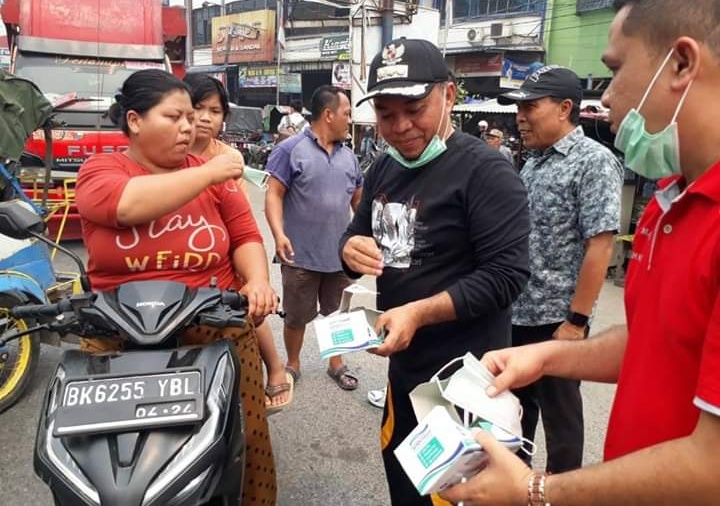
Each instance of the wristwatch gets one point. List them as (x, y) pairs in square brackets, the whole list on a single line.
[(577, 319)]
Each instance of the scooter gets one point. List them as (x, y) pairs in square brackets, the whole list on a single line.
[(154, 424)]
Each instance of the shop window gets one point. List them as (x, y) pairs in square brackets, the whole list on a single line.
[(468, 9), (593, 5)]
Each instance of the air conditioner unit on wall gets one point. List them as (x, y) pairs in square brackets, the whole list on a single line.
[(471, 34), (496, 30)]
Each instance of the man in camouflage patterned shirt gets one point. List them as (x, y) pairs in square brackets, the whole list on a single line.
[(574, 186)]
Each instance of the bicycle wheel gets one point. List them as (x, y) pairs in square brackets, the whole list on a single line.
[(18, 358)]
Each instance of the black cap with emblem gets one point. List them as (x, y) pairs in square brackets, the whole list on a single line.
[(407, 68), (549, 81)]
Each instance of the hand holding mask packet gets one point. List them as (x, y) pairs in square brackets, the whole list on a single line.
[(348, 330), (439, 453), (501, 415), (462, 392)]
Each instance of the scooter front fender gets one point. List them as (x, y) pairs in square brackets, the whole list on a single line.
[(21, 287), (27, 258)]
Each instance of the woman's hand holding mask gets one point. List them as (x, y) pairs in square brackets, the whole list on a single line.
[(225, 166)]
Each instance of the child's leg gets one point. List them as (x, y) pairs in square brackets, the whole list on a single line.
[(273, 364)]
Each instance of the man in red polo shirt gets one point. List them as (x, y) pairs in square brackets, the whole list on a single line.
[(663, 438)]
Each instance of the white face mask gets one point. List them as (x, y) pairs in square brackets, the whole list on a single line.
[(466, 390)]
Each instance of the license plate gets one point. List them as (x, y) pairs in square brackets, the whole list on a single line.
[(118, 404)]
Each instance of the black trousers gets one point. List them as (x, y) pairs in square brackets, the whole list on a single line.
[(559, 402), (398, 421)]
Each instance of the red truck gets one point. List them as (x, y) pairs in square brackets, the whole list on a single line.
[(79, 52)]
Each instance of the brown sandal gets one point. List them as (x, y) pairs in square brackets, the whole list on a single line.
[(344, 378), (293, 372), (275, 390)]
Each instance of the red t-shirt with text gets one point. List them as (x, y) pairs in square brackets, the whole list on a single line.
[(192, 245)]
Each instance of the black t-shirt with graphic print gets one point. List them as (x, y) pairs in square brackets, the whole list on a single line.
[(460, 224)]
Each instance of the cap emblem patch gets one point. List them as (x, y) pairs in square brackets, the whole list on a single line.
[(391, 72), (392, 54)]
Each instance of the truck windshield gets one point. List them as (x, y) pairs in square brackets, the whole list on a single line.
[(91, 82), (88, 77)]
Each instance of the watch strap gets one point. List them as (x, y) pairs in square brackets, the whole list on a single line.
[(577, 319)]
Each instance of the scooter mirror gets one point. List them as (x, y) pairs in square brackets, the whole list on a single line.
[(18, 221)]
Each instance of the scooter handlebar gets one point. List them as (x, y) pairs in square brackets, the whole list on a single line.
[(238, 301), (234, 299), (41, 310)]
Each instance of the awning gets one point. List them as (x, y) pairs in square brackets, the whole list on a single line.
[(208, 68), (492, 107), (488, 107)]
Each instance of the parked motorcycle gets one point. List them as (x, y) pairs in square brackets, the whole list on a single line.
[(372, 150), (256, 155), (155, 424), (26, 275)]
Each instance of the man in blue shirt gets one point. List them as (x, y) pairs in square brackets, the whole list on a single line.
[(315, 182)]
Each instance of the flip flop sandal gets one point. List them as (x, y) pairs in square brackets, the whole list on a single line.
[(293, 372), (274, 390), (344, 378)]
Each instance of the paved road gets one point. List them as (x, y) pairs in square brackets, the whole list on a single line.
[(326, 443)]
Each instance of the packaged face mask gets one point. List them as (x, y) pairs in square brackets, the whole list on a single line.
[(466, 389), (439, 453), (348, 330), (510, 441)]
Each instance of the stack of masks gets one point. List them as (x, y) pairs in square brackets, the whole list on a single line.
[(464, 395)]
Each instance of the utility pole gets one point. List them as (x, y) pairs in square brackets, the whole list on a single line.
[(189, 35), (278, 46), (386, 8)]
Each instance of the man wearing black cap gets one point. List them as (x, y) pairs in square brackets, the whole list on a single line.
[(443, 224), (574, 186)]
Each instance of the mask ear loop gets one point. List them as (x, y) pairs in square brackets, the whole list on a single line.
[(654, 79), (436, 379), (682, 101), (528, 446), (436, 376), (442, 116)]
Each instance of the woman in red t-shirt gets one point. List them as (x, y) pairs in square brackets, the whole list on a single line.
[(157, 212)]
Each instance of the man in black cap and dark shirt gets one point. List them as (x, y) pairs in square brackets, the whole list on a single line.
[(443, 224), (574, 186)]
